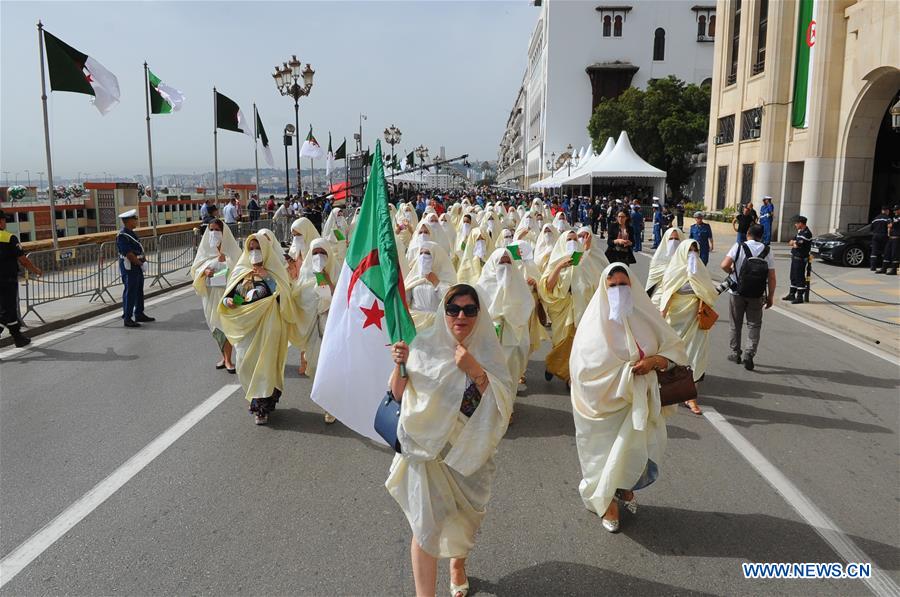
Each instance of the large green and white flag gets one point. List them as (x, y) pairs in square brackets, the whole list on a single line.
[(230, 117), (368, 312), (261, 135), (803, 77), (163, 98), (71, 70)]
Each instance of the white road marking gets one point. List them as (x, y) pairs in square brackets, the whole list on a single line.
[(876, 352), (880, 583), (34, 546), (117, 314)]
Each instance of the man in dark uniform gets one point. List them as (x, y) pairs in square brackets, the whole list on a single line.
[(800, 246), (11, 255), (131, 266), (892, 250), (879, 228), (679, 214)]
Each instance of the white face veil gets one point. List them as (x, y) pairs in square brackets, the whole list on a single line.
[(206, 254), (678, 273)]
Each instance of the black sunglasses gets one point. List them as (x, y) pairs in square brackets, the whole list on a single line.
[(453, 310)]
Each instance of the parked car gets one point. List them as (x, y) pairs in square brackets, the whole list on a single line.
[(847, 248)]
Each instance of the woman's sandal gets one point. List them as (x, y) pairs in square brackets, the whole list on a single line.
[(692, 406), (459, 590), (220, 365), (630, 505)]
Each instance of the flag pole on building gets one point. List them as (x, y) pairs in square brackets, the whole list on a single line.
[(255, 152), (50, 190), (153, 213), (216, 144)]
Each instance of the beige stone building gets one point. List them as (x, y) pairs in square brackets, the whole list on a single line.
[(836, 161)]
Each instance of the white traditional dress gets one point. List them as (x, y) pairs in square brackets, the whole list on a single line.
[(479, 245), (544, 246), (510, 305), (259, 330), (442, 480), (685, 284), (422, 295), (312, 295), (303, 232), (221, 259), (620, 429), (660, 261)]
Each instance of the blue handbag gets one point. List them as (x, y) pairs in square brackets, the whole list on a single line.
[(387, 419)]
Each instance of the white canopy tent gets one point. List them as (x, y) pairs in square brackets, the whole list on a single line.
[(582, 174), (622, 162)]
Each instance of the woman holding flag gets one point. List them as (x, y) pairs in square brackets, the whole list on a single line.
[(216, 256), (258, 322), (455, 406)]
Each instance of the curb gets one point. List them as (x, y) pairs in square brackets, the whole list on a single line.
[(32, 332)]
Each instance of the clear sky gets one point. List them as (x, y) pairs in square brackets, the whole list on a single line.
[(446, 73)]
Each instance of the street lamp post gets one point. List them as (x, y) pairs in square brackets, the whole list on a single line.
[(392, 136), (569, 159), (422, 154), (289, 132), (288, 82)]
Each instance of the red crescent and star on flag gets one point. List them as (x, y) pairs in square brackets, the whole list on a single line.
[(373, 314), (811, 34)]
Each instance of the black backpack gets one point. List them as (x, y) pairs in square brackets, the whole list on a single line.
[(754, 274)]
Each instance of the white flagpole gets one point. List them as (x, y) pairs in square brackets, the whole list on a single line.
[(50, 191), (216, 145), (255, 149), (153, 214)]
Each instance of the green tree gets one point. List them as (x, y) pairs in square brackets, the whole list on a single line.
[(665, 123)]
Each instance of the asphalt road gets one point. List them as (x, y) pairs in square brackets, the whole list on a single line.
[(299, 507)]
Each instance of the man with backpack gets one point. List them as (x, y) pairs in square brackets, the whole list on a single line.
[(751, 275)]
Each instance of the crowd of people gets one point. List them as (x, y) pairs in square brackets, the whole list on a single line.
[(489, 279)]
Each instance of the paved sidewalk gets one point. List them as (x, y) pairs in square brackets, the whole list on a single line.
[(873, 317)]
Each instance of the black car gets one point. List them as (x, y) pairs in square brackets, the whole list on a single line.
[(847, 248)]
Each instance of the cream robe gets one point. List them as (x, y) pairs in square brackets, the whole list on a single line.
[(680, 310), (336, 221), (544, 245), (658, 264), (421, 295), (619, 424), (308, 233), (208, 258), (511, 306), (470, 264), (442, 480), (260, 330), (313, 303)]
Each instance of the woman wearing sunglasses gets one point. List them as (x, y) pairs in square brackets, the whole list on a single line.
[(455, 407)]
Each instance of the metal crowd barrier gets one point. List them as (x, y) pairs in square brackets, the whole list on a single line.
[(93, 269)]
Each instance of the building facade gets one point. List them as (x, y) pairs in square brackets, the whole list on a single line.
[(801, 100), (582, 52)]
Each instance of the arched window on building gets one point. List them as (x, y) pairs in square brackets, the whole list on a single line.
[(659, 44), (711, 30), (607, 26), (701, 26), (617, 26)]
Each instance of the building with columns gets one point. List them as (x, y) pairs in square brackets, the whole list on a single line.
[(582, 52), (801, 101)]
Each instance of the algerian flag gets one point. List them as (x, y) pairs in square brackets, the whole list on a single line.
[(329, 158), (410, 159), (230, 117), (341, 153), (803, 81), (368, 312), (261, 134), (163, 99), (311, 147), (71, 70)]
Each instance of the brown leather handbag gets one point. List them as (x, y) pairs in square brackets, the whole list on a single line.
[(706, 316), (676, 385)]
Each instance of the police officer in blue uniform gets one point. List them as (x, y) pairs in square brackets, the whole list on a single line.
[(11, 256), (879, 229), (702, 233), (131, 266), (800, 247)]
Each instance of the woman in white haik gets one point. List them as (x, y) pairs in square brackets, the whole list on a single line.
[(544, 246), (620, 429), (217, 254), (479, 245), (455, 408), (430, 275), (336, 230), (303, 232), (510, 305), (685, 285), (660, 261)]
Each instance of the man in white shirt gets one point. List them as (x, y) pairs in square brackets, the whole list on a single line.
[(229, 212), (749, 305)]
